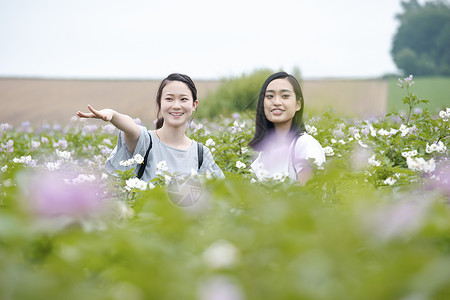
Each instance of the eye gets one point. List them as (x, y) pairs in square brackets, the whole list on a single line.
[(168, 99), (269, 96), (286, 96), (184, 99)]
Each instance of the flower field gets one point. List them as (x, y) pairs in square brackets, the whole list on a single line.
[(372, 223)]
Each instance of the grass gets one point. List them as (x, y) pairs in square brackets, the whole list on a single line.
[(434, 89)]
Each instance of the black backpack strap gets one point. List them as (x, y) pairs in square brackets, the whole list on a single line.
[(144, 164), (200, 154)]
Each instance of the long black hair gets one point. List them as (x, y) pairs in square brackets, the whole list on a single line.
[(173, 77), (263, 125)]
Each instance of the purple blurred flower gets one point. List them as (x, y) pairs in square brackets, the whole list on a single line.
[(50, 196), (61, 143), (398, 219), (138, 121), (5, 126), (440, 179)]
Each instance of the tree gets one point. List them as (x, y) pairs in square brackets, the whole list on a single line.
[(421, 45)]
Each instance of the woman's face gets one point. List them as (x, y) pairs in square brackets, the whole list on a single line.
[(177, 104), (280, 103)]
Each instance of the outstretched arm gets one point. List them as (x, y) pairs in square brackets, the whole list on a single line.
[(120, 121)]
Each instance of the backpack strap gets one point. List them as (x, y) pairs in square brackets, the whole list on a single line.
[(200, 154), (144, 164)]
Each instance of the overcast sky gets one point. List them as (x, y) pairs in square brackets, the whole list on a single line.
[(202, 38)]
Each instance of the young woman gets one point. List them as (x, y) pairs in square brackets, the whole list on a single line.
[(176, 100), (284, 146)]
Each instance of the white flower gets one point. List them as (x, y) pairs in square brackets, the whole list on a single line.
[(342, 142), (280, 176), (138, 159), (333, 141), (126, 163), (373, 132), (35, 145), (393, 131), (240, 165), (236, 127), (167, 178), (436, 147), (383, 132), (373, 162), (390, 181), (82, 178), (328, 151), (362, 144), (221, 254), (63, 154), (445, 114), (260, 172), (27, 160), (135, 183), (194, 172), (311, 130), (210, 143), (404, 130), (162, 166), (104, 176), (419, 164), (53, 166), (407, 154), (4, 168), (244, 150)]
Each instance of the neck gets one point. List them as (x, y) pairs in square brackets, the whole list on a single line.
[(173, 136), (282, 129)]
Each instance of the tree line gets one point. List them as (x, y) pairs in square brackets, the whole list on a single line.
[(421, 45)]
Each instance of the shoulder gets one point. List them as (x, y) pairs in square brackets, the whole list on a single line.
[(307, 146), (307, 140)]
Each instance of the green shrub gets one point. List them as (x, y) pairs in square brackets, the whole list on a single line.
[(235, 94)]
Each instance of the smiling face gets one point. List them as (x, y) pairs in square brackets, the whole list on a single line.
[(177, 104), (280, 103)]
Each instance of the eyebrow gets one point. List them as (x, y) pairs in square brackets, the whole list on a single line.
[(283, 91), (171, 94)]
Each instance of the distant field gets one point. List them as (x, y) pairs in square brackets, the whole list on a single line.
[(434, 89), (347, 97), (40, 100)]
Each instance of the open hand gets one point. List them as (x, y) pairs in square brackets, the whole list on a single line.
[(104, 114)]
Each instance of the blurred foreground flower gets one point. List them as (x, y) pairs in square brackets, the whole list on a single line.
[(50, 198), (221, 254), (220, 288), (396, 220)]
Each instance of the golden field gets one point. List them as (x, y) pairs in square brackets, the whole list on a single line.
[(57, 100)]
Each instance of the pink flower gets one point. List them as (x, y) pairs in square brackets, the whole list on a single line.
[(50, 196)]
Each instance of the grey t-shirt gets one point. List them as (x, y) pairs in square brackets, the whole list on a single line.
[(177, 161)]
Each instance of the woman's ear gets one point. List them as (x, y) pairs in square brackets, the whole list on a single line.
[(194, 104), (298, 106)]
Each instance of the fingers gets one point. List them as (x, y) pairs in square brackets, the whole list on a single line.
[(84, 115), (92, 114), (95, 112)]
